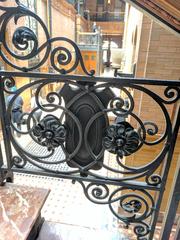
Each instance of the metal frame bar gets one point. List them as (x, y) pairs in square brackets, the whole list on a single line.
[(177, 234), (113, 80), (5, 128), (172, 207)]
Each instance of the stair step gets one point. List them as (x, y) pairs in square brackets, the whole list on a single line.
[(58, 231), (20, 208)]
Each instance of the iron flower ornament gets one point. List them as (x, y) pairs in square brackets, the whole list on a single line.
[(121, 139), (50, 132)]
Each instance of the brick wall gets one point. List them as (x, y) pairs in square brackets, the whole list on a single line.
[(131, 40), (63, 19), (158, 58), (162, 62), (111, 27), (82, 25)]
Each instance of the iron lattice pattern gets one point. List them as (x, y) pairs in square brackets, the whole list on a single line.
[(88, 127)]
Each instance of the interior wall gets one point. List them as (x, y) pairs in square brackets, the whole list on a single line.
[(133, 23), (158, 58)]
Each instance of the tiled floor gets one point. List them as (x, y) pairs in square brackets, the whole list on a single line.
[(68, 208), (67, 203)]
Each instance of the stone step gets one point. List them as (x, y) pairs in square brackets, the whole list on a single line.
[(59, 231), (20, 210)]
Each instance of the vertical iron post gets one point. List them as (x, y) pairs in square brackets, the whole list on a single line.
[(5, 127), (172, 207), (166, 171)]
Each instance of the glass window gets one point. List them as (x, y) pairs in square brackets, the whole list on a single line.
[(100, 2)]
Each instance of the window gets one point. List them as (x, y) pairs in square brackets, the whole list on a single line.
[(100, 2), (1, 66), (31, 23)]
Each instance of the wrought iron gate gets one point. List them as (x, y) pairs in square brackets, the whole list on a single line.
[(83, 121)]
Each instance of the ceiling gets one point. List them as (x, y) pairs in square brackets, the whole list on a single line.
[(174, 3), (165, 11)]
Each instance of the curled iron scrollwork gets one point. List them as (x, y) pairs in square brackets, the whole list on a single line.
[(97, 193), (142, 229), (153, 179), (61, 57), (131, 203), (22, 36), (152, 129), (8, 84), (131, 206), (19, 162), (130, 140), (172, 93)]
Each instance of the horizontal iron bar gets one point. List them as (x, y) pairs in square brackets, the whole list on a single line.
[(129, 184), (112, 80)]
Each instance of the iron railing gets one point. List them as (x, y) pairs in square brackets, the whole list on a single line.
[(89, 39), (83, 120), (104, 16)]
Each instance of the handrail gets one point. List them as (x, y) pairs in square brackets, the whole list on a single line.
[(119, 80), (96, 12)]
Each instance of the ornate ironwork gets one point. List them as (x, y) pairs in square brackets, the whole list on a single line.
[(132, 206), (84, 102), (121, 139), (50, 132), (87, 116), (23, 38), (137, 206)]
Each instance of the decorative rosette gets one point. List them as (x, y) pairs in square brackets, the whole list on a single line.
[(121, 139), (50, 132)]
